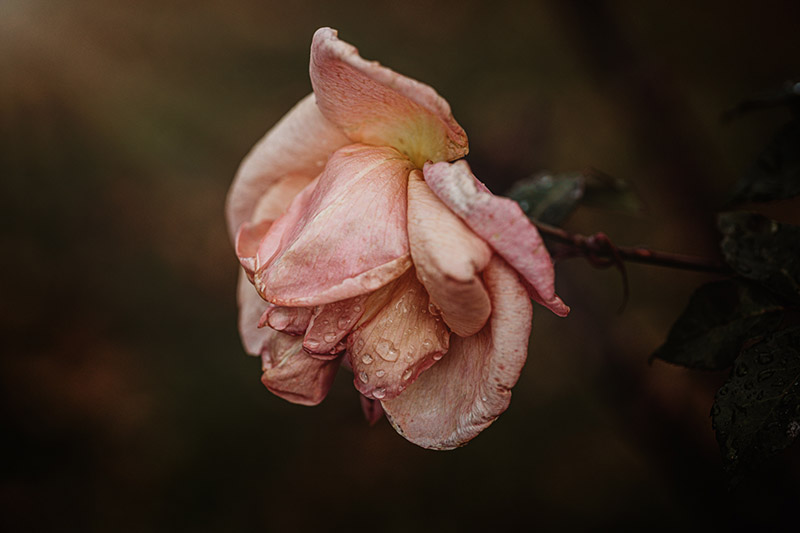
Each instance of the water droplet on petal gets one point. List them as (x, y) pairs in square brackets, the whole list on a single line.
[(363, 377), (432, 309), (356, 308), (427, 345), (382, 347), (380, 373), (379, 393), (343, 322), (311, 344), (366, 359), (437, 356), (329, 337), (359, 344), (407, 374)]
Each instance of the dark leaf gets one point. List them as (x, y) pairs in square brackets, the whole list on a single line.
[(757, 412), (719, 318), (763, 250), (776, 173), (609, 192), (548, 198)]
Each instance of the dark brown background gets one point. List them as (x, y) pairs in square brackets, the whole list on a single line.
[(127, 401)]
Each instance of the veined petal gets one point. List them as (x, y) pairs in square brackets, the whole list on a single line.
[(465, 392), (401, 340), (500, 222), (299, 144), (331, 323), (448, 257), (292, 374), (352, 236), (375, 105)]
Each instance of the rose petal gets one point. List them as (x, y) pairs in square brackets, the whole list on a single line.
[(448, 257), (289, 320), (401, 340), (251, 308), (292, 374), (500, 222), (298, 145), (465, 392), (339, 248), (331, 323), (375, 105)]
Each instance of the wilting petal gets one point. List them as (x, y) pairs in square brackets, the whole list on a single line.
[(375, 105), (448, 257), (402, 340), (373, 410), (299, 144), (500, 222), (465, 392), (290, 320), (294, 375), (331, 323), (251, 308), (352, 238)]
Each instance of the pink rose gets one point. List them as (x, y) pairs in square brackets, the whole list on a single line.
[(362, 245)]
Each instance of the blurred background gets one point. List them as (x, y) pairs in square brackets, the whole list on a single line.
[(128, 403)]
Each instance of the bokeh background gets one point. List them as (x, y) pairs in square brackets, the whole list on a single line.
[(128, 403)]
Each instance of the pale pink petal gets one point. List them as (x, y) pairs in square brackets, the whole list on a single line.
[(251, 308), (375, 105), (467, 390), (269, 207), (330, 324), (500, 222), (352, 236), (292, 374), (373, 410), (289, 320), (299, 145), (401, 340), (448, 257)]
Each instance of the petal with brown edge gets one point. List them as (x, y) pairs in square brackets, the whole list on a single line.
[(375, 105), (448, 257), (501, 223), (299, 144), (292, 374), (467, 390), (352, 237), (401, 341)]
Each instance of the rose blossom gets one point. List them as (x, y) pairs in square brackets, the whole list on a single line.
[(362, 245)]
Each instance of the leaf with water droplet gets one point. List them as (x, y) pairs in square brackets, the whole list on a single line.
[(720, 317), (548, 198), (758, 413), (763, 250)]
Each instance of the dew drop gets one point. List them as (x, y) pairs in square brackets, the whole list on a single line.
[(379, 393), (432, 309), (437, 356), (311, 344), (329, 337), (407, 374), (326, 322), (343, 322), (359, 344), (382, 347), (380, 373), (366, 359), (363, 377), (356, 308), (427, 345)]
